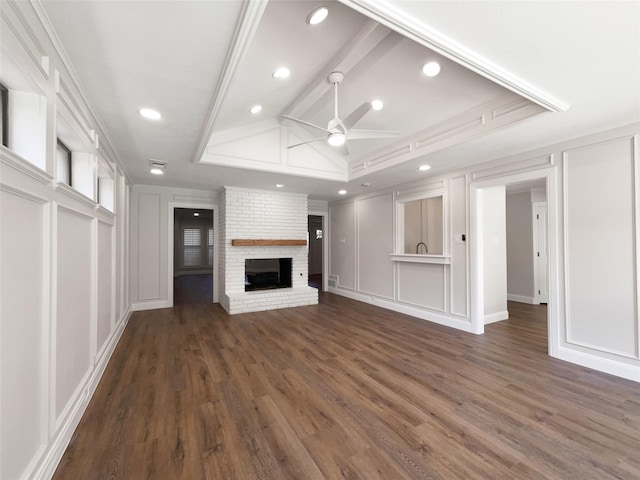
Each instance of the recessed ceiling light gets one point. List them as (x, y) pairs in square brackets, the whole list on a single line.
[(279, 185), (157, 166), (256, 109), (282, 72), (424, 168), (196, 214), (150, 113), (377, 104), (342, 192), (318, 15), (431, 69), (336, 139)]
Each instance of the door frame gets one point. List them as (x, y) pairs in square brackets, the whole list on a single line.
[(476, 251), (170, 252), (536, 284), (325, 247)]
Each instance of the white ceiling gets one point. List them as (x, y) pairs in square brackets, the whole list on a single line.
[(171, 55)]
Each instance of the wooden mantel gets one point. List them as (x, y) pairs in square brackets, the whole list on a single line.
[(266, 243)]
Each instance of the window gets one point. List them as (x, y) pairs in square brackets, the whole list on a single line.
[(191, 247), (63, 162), (4, 115)]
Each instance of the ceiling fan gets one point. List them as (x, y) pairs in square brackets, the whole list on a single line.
[(338, 131)]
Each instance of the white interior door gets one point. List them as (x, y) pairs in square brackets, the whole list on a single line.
[(540, 261)]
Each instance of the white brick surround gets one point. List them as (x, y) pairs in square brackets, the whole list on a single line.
[(259, 214)]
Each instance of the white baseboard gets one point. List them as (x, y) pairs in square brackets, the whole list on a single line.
[(458, 323), (512, 297), (496, 317), (52, 455), (150, 305), (630, 371)]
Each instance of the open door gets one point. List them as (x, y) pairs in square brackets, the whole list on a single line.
[(193, 258), (316, 249)]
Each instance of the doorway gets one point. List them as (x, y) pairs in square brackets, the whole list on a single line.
[(193, 256), (534, 196), (316, 234)]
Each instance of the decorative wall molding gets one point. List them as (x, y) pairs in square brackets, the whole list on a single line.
[(491, 116), (26, 36), (521, 299), (496, 317), (73, 194), (11, 160), (421, 313), (634, 162), (71, 105), (514, 167)]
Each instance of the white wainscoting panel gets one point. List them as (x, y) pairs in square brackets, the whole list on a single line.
[(458, 225), (343, 248), (600, 257), (21, 339), (375, 243), (104, 283), (422, 285), (73, 325), (149, 258)]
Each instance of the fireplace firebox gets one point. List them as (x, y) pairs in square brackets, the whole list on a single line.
[(267, 273)]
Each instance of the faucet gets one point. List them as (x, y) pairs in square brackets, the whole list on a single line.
[(426, 249)]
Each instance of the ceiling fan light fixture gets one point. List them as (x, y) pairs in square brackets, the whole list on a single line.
[(317, 16), (336, 139), (377, 104), (282, 72), (431, 69)]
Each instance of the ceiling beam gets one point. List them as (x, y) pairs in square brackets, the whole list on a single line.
[(349, 56), (396, 19), (252, 11)]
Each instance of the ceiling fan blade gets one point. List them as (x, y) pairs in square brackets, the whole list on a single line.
[(358, 134), (356, 115), (305, 123), (308, 141)]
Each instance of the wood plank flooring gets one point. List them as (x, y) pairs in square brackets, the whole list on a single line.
[(344, 390)]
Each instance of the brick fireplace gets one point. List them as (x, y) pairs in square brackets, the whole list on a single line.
[(257, 224)]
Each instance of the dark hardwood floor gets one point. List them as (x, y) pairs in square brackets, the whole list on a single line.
[(192, 289), (344, 390)]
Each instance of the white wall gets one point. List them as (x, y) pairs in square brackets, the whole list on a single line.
[(494, 243), (363, 236), (593, 244), (520, 283), (152, 240), (63, 270)]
